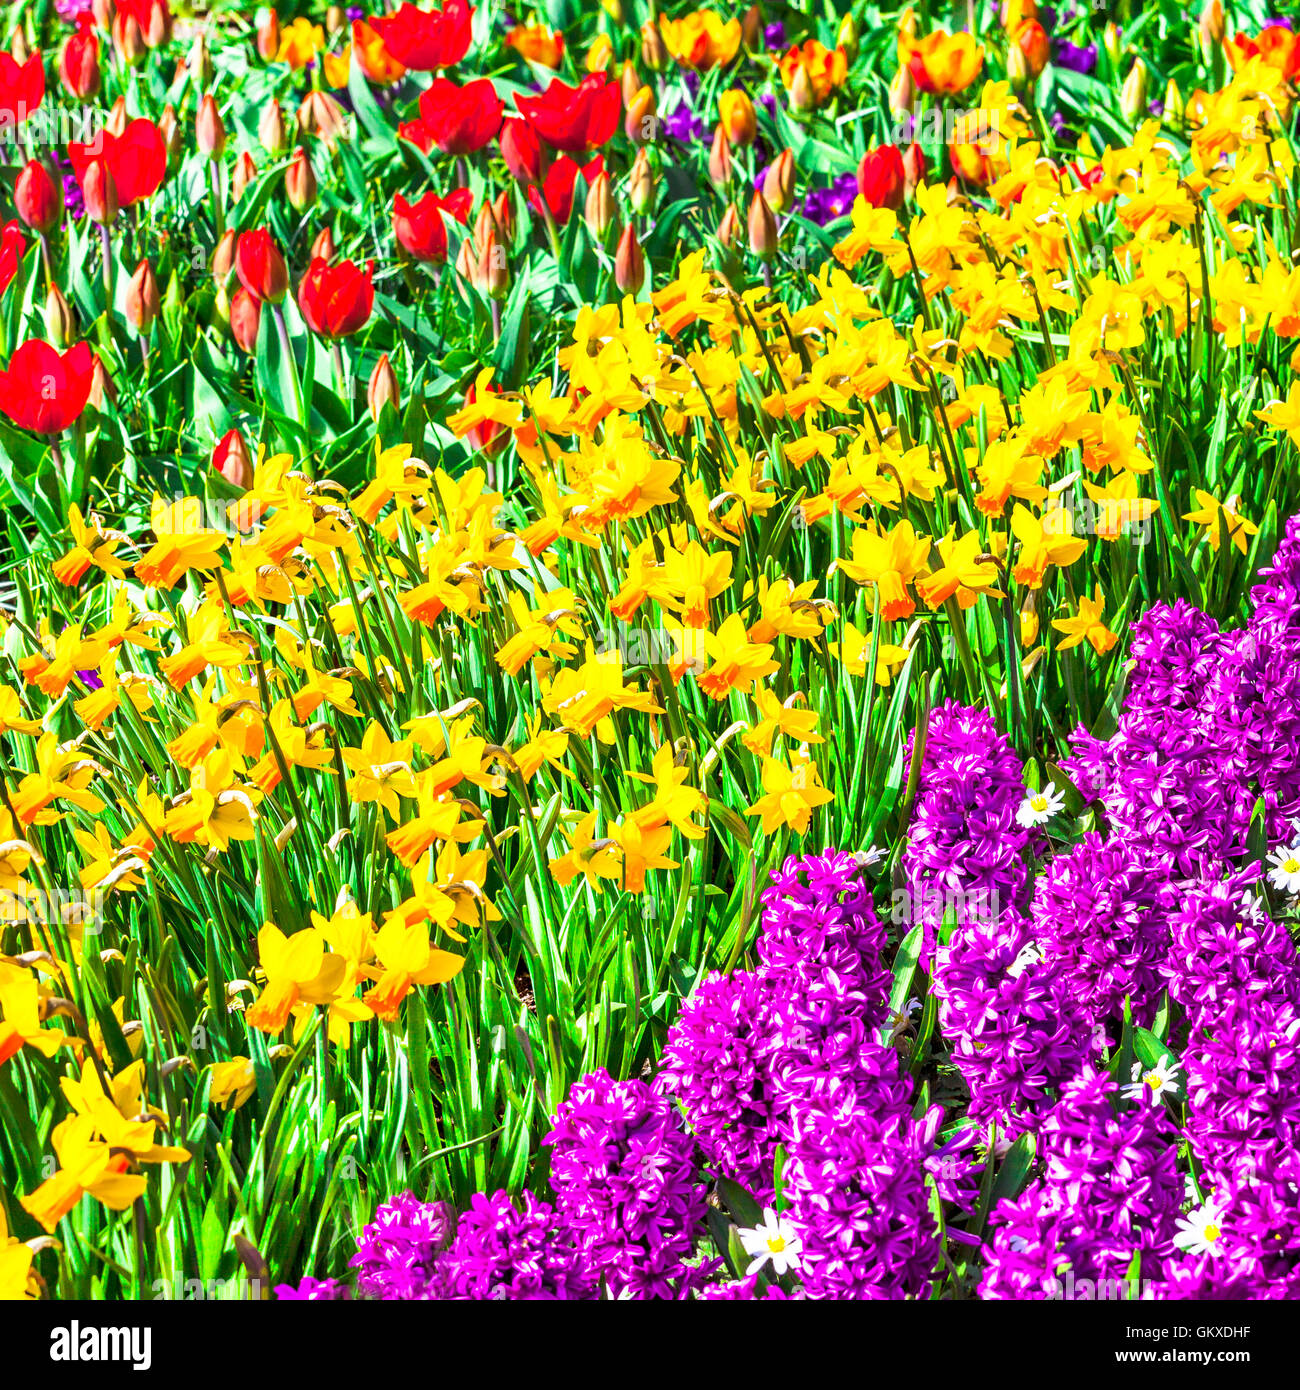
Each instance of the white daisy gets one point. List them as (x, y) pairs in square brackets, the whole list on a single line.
[(774, 1240), (1040, 806), (1200, 1231), (1285, 873), (1157, 1081)]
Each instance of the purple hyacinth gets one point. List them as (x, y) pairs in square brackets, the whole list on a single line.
[(311, 1290), (504, 1252), (624, 1175), (397, 1254), (1110, 1189)]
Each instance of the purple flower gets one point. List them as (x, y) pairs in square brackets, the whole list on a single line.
[(397, 1254), (774, 35), (684, 125), (824, 205), (1074, 57), (312, 1290), (503, 1252)]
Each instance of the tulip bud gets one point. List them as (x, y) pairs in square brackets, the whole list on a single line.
[(300, 181), (231, 459), (142, 298), (157, 28), (778, 182), (802, 96), (200, 61), (1112, 43), (209, 131), (641, 123), (79, 66), (323, 246), (268, 35), (720, 160), (271, 129), (847, 38), (1175, 106), (654, 52), (335, 19), (38, 199), (763, 234), (599, 210), (1034, 46), (630, 81), (1133, 94), (729, 225), (641, 184), (751, 29), (99, 193), (902, 94), (488, 270), (60, 319), (18, 49), (128, 41), (245, 320), (1211, 26), (629, 263), (382, 389), (908, 23), (170, 130), (245, 172), (104, 12), (223, 258), (738, 118), (503, 216), (914, 169), (319, 114), (115, 122), (1017, 69), (101, 386)]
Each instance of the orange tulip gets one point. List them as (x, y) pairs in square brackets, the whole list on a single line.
[(942, 63)]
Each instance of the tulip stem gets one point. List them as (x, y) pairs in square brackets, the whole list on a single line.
[(218, 207), (496, 320), (106, 244), (340, 374), (46, 263)]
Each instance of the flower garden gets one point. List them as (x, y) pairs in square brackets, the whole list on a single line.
[(649, 653)]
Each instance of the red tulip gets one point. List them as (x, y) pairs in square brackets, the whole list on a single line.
[(153, 16), (336, 300), (45, 391), (419, 227), (230, 459), (574, 118), (522, 151), (558, 186), (79, 61), (137, 160), (459, 119), (260, 266), (245, 320), (38, 199), (881, 177), (22, 89), (11, 253), (426, 39)]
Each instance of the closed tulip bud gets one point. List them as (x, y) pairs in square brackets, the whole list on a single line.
[(654, 52), (323, 246), (245, 320), (209, 130), (271, 129), (914, 169), (1175, 106), (142, 298), (60, 319), (231, 459), (300, 181), (1034, 46), (802, 97), (1017, 69), (1133, 94), (245, 171), (902, 94), (599, 210), (641, 184), (847, 38), (319, 114), (115, 122), (101, 386), (223, 258), (99, 193), (158, 25), (335, 19), (128, 41), (641, 123), (79, 65), (382, 389), (169, 127), (737, 117), (778, 182), (268, 35), (720, 159), (103, 11), (1211, 25), (38, 198), (200, 61), (763, 234), (751, 29), (503, 212), (18, 49), (629, 263), (729, 225), (630, 81), (492, 271), (1112, 43)]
